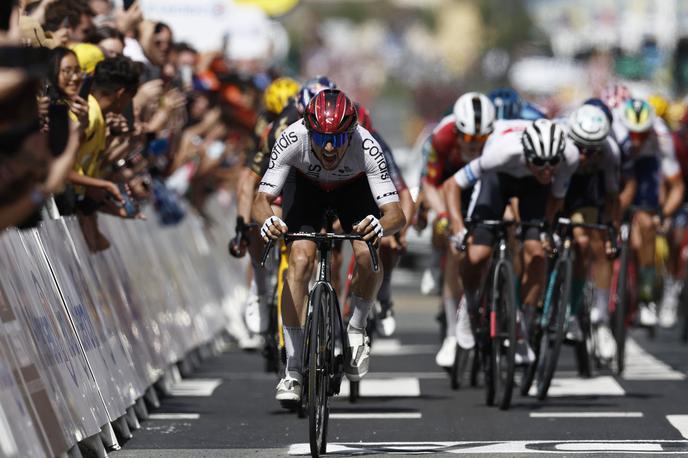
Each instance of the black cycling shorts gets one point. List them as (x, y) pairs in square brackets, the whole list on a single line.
[(493, 193), (304, 203), (585, 191)]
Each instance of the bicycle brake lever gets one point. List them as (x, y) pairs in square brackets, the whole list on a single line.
[(266, 252)]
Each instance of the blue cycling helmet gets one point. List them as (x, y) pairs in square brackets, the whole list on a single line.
[(602, 106), (312, 87), (507, 103)]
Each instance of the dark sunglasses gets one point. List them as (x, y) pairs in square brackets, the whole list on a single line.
[(468, 138), (587, 150), (540, 162), (337, 140)]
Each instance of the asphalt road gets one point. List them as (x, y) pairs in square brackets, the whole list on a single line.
[(227, 408)]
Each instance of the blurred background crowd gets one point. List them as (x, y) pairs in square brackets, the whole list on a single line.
[(131, 108)]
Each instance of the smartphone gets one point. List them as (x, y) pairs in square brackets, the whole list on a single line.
[(127, 4), (86, 87), (58, 125), (128, 114)]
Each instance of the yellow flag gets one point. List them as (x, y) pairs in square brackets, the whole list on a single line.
[(272, 8)]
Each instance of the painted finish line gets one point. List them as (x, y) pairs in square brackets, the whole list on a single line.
[(501, 447)]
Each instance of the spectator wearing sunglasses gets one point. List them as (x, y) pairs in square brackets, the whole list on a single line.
[(532, 161)]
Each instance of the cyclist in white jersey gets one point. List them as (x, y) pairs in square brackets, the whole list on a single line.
[(534, 162), (327, 161)]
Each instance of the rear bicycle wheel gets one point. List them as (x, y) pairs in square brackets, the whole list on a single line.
[(553, 333), (503, 322), (318, 373)]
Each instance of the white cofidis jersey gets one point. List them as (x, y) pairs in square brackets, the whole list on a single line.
[(503, 153), (363, 157)]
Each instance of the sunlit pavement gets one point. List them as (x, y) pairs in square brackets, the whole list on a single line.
[(407, 406)]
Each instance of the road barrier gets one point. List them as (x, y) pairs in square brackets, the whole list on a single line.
[(85, 337)]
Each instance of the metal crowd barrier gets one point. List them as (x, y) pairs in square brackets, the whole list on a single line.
[(85, 337)]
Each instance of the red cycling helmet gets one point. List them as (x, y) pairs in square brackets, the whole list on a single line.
[(364, 119), (330, 112)]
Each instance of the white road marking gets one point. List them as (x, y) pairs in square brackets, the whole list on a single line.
[(376, 416), (174, 416), (664, 447), (586, 414), (610, 447), (575, 386), (641, 365), (679, 422), (394, 347), (418, 375), (195, 387), (403, 387)]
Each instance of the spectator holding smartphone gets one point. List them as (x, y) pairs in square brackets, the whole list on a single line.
[(114, 85)]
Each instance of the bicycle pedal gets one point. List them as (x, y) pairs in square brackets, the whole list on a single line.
[(335, 384)]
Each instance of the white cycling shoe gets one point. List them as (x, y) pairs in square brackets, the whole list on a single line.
[(289, 390), (445, 357), (359, 345), (648, 314), (256, 314), (464, 332), (385, 324), (669, 305), (606, 344), (574, 333)]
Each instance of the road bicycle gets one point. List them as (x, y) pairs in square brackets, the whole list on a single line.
[(549, 335), (494, 324), (326, 345)]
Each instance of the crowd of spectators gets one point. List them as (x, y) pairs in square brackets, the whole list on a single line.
[(102, 111)]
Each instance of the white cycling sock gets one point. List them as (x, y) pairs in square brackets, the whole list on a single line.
[(450, 312), (359, 318), (601, 301), (385, 293), (293, 342)]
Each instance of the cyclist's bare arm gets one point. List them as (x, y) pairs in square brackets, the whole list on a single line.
[(433, 198), (408, 206), (246, 190), (628, 194), (674, 197), (452, 195), (261, 209)]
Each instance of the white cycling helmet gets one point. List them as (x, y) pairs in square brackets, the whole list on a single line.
[(543, 143), (475, 114), (588, 126)]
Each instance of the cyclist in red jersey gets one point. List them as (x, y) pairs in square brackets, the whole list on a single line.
[(457, 140)]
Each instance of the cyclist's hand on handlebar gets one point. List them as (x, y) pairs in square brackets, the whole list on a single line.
[(370, 229), (273, 228), (457, 239)]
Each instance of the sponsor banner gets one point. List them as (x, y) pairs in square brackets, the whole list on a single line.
[(31, 301), (19, 434), (71, 277), (55, 333)]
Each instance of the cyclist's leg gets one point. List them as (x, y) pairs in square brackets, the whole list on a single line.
[(643, 235), (489, 203), (303, 206)]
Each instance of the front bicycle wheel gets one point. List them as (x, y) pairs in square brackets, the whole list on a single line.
[(503, 334), (318, 373), (556, 301)]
